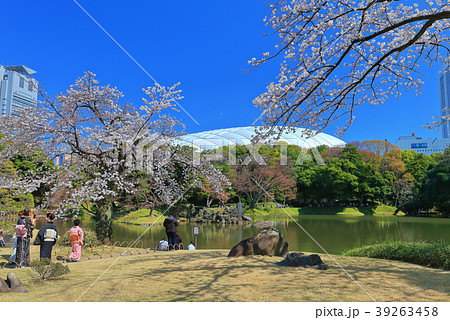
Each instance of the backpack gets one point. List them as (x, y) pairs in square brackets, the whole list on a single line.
[(21, 231), (74, 238), (50, 235)]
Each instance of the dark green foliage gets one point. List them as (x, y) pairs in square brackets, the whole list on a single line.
[(8, 227), (90, 239), (429, 254), (48, 270), (359, 174), (437, 186)]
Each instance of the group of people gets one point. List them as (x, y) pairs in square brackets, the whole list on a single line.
[(48, 235), (173, 241), (45, 238)]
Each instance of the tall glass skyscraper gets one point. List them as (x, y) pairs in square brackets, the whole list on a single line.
[(444, 93), (18, 90)]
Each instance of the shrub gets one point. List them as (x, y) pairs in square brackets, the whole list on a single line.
[(48, 270), (90, 239), (7, 227), (429, 254)]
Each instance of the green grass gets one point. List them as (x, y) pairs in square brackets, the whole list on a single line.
[(372, 210), (429, 254), (140, 217), (209, 275), (267, 210)]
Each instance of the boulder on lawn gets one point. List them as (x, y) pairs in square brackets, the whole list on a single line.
[(15, 284), (299, 259), (3, 286), (267, 242)]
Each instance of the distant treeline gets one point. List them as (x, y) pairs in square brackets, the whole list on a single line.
[(357, 174)]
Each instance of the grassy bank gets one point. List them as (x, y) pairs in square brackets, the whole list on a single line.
[(212, 276), (269, 209), (430, 254), (140, 217), (371, 210)]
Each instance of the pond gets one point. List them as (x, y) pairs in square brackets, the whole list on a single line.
[(334, 233)]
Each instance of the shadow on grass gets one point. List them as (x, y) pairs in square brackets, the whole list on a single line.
[(367, 211), (207, 270), (422, 277)]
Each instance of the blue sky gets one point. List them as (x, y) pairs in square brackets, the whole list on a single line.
[(204, 44)]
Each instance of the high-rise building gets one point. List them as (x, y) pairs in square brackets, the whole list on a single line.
[(444, 93), (433, 145), (18, 90)]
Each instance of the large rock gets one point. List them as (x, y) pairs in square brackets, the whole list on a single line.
[(299, 259), (15, 284), (267, 242), (3, 286)]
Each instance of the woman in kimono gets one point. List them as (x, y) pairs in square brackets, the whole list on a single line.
[(47, 236), (76, 236), (24, 233)]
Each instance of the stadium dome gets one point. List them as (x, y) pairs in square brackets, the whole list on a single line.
[(214, 139)]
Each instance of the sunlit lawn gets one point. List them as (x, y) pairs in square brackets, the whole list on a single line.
[(211, 276)]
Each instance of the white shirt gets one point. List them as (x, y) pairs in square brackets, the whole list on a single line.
[(163, 245), (190, 247)]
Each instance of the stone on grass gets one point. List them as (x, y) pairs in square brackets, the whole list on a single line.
[(15, 284), (299, 259), (3, 286), (267, 242)]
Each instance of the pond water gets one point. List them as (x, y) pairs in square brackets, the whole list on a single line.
[(334, 233)]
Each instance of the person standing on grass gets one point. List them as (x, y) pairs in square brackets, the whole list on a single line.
[(48, 234), (170, 223), (76, 238), (24, 233)]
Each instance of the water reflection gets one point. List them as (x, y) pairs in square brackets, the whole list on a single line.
[(334, 233)]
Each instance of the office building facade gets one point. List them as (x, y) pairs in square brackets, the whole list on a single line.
[(444, 94), (18, 90), (420, 145)]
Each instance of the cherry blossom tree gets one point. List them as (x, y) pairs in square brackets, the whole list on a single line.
[(107, 147), (336, 55)]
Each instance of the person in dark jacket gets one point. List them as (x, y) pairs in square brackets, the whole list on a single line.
[(170, 223), (47, 236)]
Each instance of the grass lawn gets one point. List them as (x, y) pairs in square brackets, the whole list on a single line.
[(378, 210), (209, 275), (141, 217), (269, 209)]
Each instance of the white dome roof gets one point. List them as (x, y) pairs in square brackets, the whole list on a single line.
[(213, 139)]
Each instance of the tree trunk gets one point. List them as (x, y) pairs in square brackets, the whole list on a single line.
[(103, 217), (209, 200), (152, 206)]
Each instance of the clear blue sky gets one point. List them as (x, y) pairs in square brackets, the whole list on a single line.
[(204, 44)]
